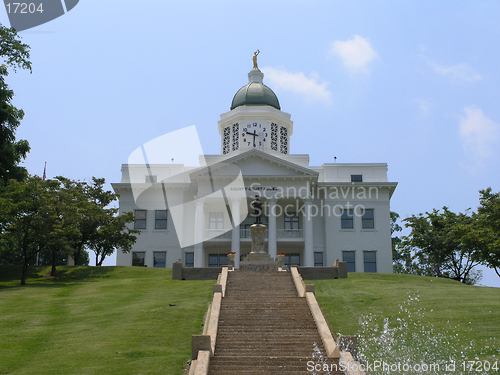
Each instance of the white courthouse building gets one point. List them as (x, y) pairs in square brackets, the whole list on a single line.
[(314, 214)]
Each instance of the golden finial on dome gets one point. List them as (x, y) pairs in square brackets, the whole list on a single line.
[(254, 58)]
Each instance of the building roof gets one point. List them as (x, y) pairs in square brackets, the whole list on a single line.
[(255, 93)]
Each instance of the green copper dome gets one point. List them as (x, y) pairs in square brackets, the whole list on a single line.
[(255, 93)]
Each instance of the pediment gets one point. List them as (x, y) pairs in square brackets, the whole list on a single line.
[(255, 163)]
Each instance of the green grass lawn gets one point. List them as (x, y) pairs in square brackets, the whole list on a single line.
[(98, 320), (117, 320), (426, 318)]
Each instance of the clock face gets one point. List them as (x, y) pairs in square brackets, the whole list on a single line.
[(258, 135), (254, 135)]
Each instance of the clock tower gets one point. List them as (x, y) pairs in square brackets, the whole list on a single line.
[(255, 120)]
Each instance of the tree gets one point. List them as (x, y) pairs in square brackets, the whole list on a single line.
[(61, 222), (99, 227), (23, 221), (463, 258), (399, 258), (112, 234), (60, 217), (92, 201), (427, 241), (488, 229), (438, 242), (15, 55)]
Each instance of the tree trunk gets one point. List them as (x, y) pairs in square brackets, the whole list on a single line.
[(102, 259), (24, 273), (77, 255), (53, 271)]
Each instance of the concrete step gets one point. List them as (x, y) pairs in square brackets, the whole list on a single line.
[(265, 328), (269, 365)]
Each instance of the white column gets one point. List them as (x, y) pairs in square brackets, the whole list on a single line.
[(271, 243), (308, 235), (199, 231), (235, 235)]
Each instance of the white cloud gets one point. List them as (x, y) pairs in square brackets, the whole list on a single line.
[(356, 54), (461, 72), (424, 107), (310, 88), (478, 132)]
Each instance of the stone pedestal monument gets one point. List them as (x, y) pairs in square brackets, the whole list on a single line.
[(258, 259)]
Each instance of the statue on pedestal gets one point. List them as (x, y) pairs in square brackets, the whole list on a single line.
[(257, 206), (258, 230)]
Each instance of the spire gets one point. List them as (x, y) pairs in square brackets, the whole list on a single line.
[(255, 92)]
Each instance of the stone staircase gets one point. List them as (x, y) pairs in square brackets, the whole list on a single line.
[(264, 328)]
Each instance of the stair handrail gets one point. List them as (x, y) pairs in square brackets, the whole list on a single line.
[(201, 359)]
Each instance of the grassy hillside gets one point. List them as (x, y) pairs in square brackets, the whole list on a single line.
[(93, 320), (117, 320), (413, 317)]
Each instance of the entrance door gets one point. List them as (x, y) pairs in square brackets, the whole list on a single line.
[(292, 260)]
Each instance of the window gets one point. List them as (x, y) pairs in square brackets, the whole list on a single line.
[(274, 137), (217, 260), (291, 220), (356, 178), (347, 219), (216, 220), (283, 140), (225, 143), (350, 258), (292, 260), (160, 259), (370, 259), (140, 219), (213, 260), (189, 260), (368, 219), (318, 259), (236, 136), (161, 219), (151, 179), (138, 258), (223, 261)]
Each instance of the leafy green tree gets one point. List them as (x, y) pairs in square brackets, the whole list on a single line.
[(438, 246), (92, 202), (23, 219), (427, 242), (487, 234), (61, 214), (55, 218), (15, 55), (113, 233), (399, 257), (463, 258), (100, 229)]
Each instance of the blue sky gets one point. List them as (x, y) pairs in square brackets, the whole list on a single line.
[(414, 84)]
